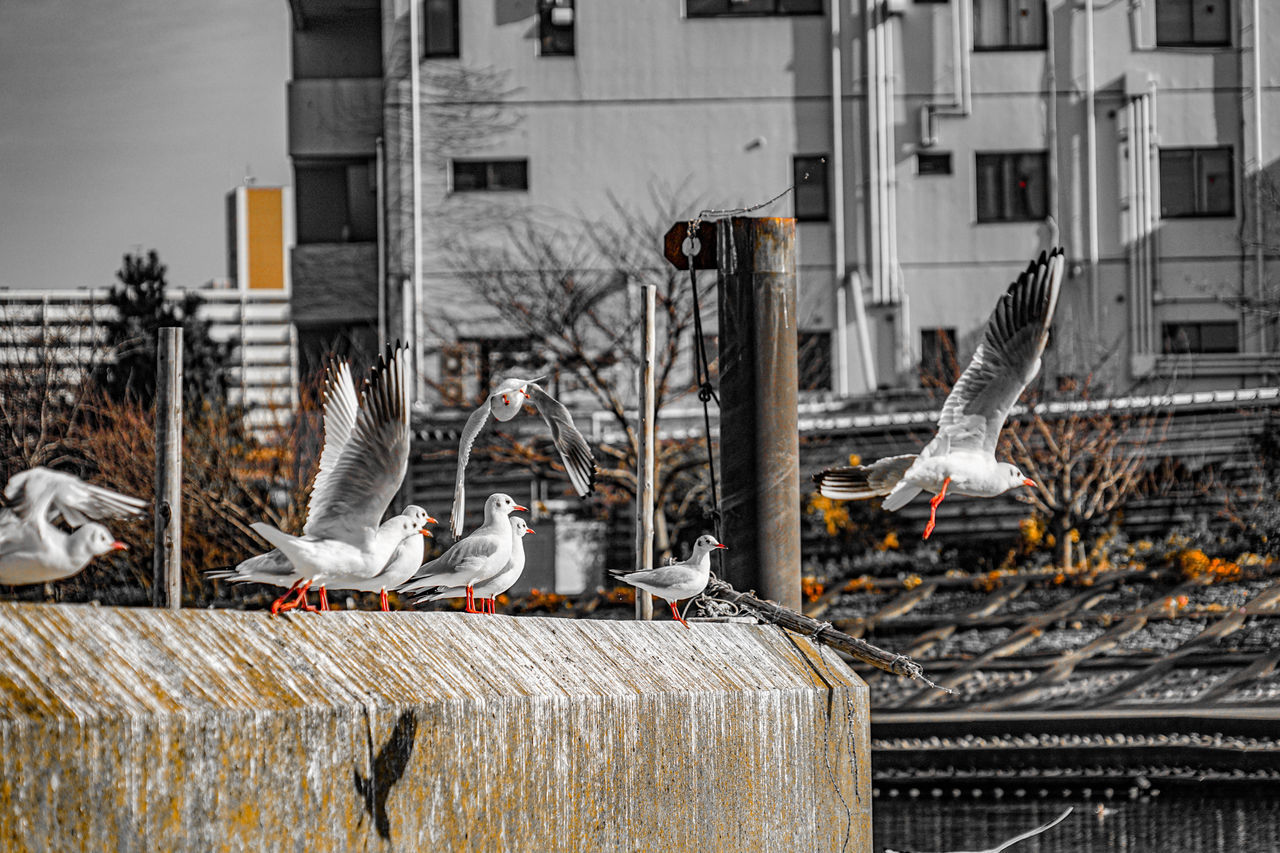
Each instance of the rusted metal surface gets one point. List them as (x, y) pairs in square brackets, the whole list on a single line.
[(135, 729), (704, 251), (759, 438)]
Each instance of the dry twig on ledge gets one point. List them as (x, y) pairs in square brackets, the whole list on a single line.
[(823, 632), (1012, 841)]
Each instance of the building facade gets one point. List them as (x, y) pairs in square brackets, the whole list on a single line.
[(944, 144)]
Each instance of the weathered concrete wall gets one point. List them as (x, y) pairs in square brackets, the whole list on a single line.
[(133, 729)]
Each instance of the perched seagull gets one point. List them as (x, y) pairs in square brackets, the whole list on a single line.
[(505, 403), (477, 558), (32, 549), (400, 566), (274, 567), (961, 457), (676, 581), (362, 464), (488, 591)]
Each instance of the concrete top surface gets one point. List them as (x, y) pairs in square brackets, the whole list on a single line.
[(81, 661)]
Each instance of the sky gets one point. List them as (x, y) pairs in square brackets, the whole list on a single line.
[(123, 125)]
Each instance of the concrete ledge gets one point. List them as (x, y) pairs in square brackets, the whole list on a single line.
[(135, 729)]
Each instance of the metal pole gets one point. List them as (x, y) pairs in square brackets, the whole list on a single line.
[(759, 438), (645, 455), (166, 588), (415, 114)]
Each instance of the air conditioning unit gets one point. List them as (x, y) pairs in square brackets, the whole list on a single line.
[(562, 16)]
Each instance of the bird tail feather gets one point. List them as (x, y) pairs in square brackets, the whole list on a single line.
[(858, 482)]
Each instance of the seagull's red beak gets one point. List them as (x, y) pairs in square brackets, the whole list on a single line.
[(119, 546), (530, 530), (726, 547), (1029, 482), (431, 520), (426, 533), (521, 508)]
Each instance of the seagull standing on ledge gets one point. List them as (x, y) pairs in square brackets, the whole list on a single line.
[(961, 458), (32, 550), (480, 556), (505, 403), (487, 591), (679, 580)]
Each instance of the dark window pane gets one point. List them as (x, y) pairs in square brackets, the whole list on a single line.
[(1210, 21), (1173, 21), (469, 176), (716, 8), (1219, 337), (813, 360), (555, 27), (336, 203), (810, 177), (1030, 191), (1196, 182), (989, 181), (1028, 23), (800, 7), (1009, 24), (1177, 183), (937, 163), (1192, 337), (1012, 187), (509, 175), (1215, 182), (440, 28)]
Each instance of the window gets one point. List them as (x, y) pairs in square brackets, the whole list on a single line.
[(938, 368), (1196, 182), (725, 8), (1009, 25), (1193, 23), (1201, 337), (491, 175), (1012, 186), (809, 174), (469, 366), (933, 163), (336, 202), (440, 29), (813, 360), (555, 27)]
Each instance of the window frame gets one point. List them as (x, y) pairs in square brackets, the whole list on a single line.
[(1005, 157), (548, 31), (1170, 328), (777, 10), (935, 156), (424, 51), (1193, 42), (1196, 152), (1007, 46), (812, 163), (488, 163)]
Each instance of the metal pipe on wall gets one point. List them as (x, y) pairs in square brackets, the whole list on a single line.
[(415, 112), (1091, 163), (1259, 257), (645, 455), (380, 165), (843, 385), (759, 437)]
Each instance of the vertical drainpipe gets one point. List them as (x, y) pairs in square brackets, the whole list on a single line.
[(1091, 160), (415, 112), (1258, 231), (837, 220), (1151, 192), (1051, 124), (380, 165)]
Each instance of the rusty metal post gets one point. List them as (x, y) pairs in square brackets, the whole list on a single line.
[(166, 587), (645, 454), (759, 438)]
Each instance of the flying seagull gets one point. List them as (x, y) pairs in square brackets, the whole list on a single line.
[(505, 403), (961, 457), (677, 581), (32, 549)]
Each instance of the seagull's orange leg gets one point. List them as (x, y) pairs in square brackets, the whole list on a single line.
[(278, 605), (471, 601), (382, 599), (300, 601), (675, 614), (933, 507)]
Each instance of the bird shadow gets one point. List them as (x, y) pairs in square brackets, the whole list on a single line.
[(388, 767)]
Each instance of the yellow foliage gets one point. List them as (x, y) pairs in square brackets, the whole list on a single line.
[(811, 588), (865, 582), (1033, 530), (855, 459), (889, 542), (912, 581), (1196, 565), (835, 514)]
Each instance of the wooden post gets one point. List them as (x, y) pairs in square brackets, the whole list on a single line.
[(166, 588), (644, 458), (759, 439)]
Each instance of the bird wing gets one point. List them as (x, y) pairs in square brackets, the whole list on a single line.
[(661, 576), (373, 461), (341, 408), (473, 426), (457, 565), (574, 450), (43, 494), (1006, 360)]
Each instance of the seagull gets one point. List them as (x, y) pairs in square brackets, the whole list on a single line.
[(505, 403), (478, 557), (961, 457), (676, 581), (362, 464), (487, 591), (32, 549), (274, 567), (400, 566)]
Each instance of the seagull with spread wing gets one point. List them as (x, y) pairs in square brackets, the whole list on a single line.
[(362, 464), (505, 403), (32, 549), (961, 457), (475, 559)]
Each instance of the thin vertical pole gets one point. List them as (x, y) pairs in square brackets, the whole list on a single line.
[(759, 439), (645, 456), (166, 589)]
